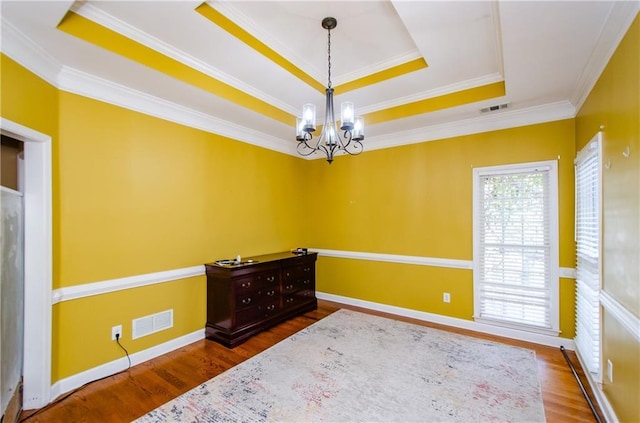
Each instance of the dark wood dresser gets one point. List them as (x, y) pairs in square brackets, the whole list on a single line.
[(262, 291)]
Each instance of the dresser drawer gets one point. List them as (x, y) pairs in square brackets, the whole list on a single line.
[(247, 316), (269, 309), (298, 298), (245, 285), (271, 292), (269, 279), (297, 272), (248, 299), (294, 285)]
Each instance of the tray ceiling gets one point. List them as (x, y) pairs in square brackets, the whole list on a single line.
[(416, 70)]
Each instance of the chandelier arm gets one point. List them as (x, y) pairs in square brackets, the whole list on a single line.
[(304, 145), (357, 148), (340, 143), (324, 150), (331, 151), (347, 136), (349, 148)]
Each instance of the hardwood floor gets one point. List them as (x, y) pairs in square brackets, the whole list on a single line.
[(129, 395)]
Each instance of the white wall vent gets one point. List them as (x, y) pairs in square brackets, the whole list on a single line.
[(495, 108), (153, 323)]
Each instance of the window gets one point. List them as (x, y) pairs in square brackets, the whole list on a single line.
[(515, 250), (588, 228)]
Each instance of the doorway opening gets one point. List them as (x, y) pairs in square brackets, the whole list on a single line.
[(38, 261), (12, 280)]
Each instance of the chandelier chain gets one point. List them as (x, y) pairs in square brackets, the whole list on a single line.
[(329, 55)]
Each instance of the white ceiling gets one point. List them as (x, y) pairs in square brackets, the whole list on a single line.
[(549, 55)]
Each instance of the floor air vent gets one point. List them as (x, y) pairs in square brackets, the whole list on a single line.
[(153, 323)]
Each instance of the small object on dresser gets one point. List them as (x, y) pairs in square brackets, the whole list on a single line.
[(300, 251)]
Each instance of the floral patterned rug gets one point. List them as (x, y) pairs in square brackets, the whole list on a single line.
[(352, 367)]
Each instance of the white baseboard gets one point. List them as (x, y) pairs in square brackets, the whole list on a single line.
[(536, 338), (115, 366), (72, 382), (601, 398)]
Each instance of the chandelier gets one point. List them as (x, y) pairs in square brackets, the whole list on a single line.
[(330, 140)]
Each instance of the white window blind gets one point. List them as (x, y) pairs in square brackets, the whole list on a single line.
[(588, 182), (515, 246)]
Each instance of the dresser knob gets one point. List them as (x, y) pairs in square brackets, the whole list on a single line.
[(246, 300)]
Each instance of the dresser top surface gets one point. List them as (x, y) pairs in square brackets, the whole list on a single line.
[(265, 258)]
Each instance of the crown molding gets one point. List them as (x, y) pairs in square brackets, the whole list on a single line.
[(497, 34), (20, 48), (23, 50), (232, 13), (99, 16), (437, 92), (377, 67), (87, 85), (613, 31), (491, 122), (485, 123)]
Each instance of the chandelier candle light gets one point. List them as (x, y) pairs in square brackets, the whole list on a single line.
[(330, 140)]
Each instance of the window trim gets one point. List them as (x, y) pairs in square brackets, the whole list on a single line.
[(550, 166)]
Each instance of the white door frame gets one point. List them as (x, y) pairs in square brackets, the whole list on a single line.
[(38, 262)]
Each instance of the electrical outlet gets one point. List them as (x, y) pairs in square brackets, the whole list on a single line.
[(446, 297), (116, 330), (610, 371)]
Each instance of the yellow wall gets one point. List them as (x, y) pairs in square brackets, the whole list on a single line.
[(417, 200), (614, 104), (139, 195), (27, 99), (82, 327), (135, 194)]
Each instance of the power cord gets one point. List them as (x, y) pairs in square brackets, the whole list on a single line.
[(68, 394), (125, 351)]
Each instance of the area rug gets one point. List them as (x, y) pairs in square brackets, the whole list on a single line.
[(355, 367)]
